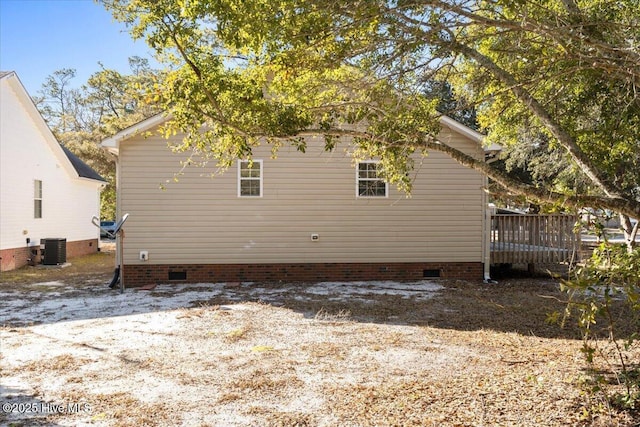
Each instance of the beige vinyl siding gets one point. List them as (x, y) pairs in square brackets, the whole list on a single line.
[(201, 220)]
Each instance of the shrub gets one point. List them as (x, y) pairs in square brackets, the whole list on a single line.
[(605, 300)]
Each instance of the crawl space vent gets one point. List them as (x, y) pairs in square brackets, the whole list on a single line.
[(177, 275), (431, 273)]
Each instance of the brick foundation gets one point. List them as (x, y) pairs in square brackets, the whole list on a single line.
[(14, 258), (18, 257), (82, 247), (144, 274)]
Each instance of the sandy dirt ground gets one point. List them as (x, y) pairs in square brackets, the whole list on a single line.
[(426, 353)]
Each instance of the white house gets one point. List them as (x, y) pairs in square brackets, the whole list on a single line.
[(47, 194), (300, 216)]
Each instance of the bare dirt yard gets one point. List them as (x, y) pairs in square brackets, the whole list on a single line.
[(425, 353)]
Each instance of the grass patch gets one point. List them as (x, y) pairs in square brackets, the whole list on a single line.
[(94, 268)]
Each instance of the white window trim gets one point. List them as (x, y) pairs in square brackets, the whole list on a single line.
[(386, 184), (37, 197), (240, 179)]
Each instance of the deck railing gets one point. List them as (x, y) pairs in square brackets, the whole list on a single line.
[(531, 239)]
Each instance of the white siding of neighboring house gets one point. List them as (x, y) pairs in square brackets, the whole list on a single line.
[(200, 219), (29, 152)]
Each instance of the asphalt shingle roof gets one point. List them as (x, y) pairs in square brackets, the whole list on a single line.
[(83, 169)]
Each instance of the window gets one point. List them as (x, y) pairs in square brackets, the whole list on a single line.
[(369, 180), (37, 198), (250, 178)]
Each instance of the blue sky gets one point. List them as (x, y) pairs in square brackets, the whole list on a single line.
[(38, 37)]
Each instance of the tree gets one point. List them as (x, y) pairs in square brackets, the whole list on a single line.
[(567, 71), (108, 102), (57, 99), (451, 105), (536, 161)]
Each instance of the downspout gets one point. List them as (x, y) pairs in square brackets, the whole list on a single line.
[(487, 222), (487, 242), (119, 250), (486, 233)]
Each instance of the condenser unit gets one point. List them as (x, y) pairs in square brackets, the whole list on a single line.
[(55, 251)]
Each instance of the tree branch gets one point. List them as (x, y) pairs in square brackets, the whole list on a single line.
[(618, 204), (199, 74), (563, 137)]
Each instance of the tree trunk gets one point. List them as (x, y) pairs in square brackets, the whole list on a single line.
[(630, 232)]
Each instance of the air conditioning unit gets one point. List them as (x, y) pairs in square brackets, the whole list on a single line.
[(55, 251)]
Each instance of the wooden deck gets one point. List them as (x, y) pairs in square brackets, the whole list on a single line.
[(534, 239)]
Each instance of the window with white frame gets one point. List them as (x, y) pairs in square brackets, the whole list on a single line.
[(37, 198), (370, 182), (250, 178)]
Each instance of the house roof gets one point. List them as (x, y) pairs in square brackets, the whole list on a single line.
[(112, 144), (468, 132), (83, 169), (73, 164)]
